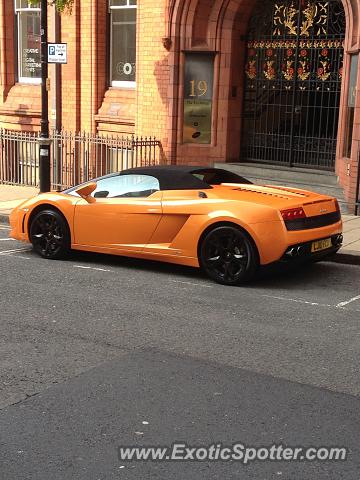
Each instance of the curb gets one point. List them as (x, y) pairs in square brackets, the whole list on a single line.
[(347, 257)]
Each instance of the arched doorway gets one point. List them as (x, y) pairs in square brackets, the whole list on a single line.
[(293, 72)]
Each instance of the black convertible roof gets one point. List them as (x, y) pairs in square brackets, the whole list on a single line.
[(187, 177)]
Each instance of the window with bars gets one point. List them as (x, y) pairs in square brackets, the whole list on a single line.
[(28, 42), (123, 43)]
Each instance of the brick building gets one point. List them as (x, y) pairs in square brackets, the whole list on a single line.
[(214, 80)]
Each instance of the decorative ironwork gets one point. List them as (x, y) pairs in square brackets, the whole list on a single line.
[(323, 71), (289, 70), (269, 71), (314, 16), (251, 71), (285, 17), (293, 74), (303, 71)]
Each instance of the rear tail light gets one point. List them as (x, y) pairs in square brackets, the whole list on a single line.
[(337, 206), (293, 214)]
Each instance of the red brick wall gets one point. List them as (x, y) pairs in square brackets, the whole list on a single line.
[(216, 27), (71, 72), (19, 104), (153, 71), (220, 26), (347, 168), (155, 107), (116, 107)]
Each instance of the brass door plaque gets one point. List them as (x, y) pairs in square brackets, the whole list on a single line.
[(199, 72)]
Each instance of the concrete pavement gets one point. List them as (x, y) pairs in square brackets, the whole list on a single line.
[(351, 247), (11, 196)]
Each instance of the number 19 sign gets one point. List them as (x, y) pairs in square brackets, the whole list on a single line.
[(57, 52), (199, 73)]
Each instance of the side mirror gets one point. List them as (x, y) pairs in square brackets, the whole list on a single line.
[(86, 191)]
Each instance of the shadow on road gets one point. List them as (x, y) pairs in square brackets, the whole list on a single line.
[(279, 275)]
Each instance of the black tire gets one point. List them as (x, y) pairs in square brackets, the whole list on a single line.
[(49, 234), (228, 255)]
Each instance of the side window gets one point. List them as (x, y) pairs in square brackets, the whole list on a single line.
[(127, 186)]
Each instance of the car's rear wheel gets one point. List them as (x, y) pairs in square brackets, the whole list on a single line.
[(228, 255), (49, 234)]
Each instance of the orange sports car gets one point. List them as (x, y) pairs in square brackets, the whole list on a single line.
[(202, 217)]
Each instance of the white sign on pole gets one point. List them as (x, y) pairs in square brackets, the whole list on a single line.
[(57, 52)]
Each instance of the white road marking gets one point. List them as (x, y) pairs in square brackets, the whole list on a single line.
[(8, 252), (340, 305), (92, 268), (343, 304), (17, 256), (192, 284), (304, 302)]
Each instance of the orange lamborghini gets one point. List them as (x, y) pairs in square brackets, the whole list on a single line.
[(202, 217)]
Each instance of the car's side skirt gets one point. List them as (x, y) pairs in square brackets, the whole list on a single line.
[(145, 254)]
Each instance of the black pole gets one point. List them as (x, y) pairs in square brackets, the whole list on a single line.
[(44, 141)]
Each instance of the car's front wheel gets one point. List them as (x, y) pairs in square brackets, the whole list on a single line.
[(228, 256), (49, 234)]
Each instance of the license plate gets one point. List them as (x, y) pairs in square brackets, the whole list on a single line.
[(321, 245)]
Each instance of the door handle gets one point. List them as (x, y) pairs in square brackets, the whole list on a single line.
[(153, 210)]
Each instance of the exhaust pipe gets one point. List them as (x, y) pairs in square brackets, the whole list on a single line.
[(301, 251), (339, 240), (296, 252)]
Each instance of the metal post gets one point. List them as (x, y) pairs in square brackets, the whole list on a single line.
[(357, 199), (44, 141)]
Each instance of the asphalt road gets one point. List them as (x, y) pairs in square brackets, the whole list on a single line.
[(93, 347)]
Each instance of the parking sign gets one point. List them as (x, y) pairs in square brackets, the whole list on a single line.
[(57, 52)]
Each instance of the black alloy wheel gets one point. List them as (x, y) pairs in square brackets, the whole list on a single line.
[(49, 234), (228, 256)]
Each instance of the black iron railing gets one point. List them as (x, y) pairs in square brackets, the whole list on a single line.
[(75, 157)]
